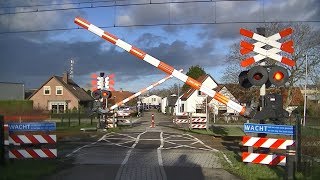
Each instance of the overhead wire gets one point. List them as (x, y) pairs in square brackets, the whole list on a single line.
[(146, 25)]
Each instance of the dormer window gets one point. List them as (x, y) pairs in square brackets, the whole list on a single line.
[(59, 90), (46, 90)]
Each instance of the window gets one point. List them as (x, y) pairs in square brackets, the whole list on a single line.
[(46, 90), (59, 90), (153, 99), (199, 93)]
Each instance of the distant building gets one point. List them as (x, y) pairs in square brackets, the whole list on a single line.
[(152, 101), (58, 94), (11, 91)]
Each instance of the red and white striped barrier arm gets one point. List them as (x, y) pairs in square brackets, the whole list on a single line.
[(32, 139), (140, 92), (32, 153), (162, 66), (272, 143), (287, 46), (257, 158), (266, 53)]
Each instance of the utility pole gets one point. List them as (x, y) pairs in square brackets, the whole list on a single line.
[(305, 93)]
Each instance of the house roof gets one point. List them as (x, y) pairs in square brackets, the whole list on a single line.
[(190, 91), (71, 86), (118, 96), (77, 91)]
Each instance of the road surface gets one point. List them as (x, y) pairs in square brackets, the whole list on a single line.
[(142, 152)]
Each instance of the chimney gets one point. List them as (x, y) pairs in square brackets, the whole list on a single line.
[(65, 77)]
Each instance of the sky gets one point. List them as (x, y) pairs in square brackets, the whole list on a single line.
[(182, 33)]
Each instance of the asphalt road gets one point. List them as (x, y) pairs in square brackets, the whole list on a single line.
[(142, 152)]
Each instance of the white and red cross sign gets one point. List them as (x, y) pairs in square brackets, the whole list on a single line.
[(277, 47)]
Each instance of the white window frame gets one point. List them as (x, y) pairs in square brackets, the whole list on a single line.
[(59, 88), (46, 88)]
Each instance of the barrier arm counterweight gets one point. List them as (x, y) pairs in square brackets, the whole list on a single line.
[(163, 67)]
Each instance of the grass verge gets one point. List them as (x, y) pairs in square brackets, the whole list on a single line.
[(258, 171), (220, 131), (28, 169)]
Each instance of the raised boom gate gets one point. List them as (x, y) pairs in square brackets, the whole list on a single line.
[(163, 67)]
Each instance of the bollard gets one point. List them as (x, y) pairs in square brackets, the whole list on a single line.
[(290, 163), (2, 150), (152, 121)]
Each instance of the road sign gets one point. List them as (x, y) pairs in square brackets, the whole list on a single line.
[(264, 53), (268, 129), (32, 126)]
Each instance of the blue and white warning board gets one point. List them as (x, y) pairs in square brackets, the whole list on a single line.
[(32, 126), (269, 129)]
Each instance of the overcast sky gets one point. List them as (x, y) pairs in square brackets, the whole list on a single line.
[(33, 57)]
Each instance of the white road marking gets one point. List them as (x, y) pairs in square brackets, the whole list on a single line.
[(164, 175), (128, 155), (203, 143)]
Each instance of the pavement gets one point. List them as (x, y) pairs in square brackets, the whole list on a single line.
[(143, 152)]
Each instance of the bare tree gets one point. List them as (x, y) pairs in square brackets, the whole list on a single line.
[(306, 42)]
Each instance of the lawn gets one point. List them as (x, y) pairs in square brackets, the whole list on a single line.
[(28, 169), (258, 171)]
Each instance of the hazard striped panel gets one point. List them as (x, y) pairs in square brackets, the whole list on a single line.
[(32, 139), (32, 153), (198, 126), (199, 119), (272, 143), (181, 121), (161, 65), (257, 158)]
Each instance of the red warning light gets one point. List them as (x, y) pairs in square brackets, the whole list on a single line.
[(278, 76)]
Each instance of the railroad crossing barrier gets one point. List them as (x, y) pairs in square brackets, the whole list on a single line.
[(181, 119), (24, 144), (260, 142), (198, 121)]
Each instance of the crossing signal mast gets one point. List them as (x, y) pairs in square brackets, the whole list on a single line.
[(266, 76)]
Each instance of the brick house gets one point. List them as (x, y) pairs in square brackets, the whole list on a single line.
[(58, 94)]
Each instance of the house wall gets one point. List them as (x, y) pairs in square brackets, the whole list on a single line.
[(191, 103), (221, 106), (164, 103), (150, 101), (41, 101)]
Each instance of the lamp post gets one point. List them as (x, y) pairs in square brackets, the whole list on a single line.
[(305, 92)]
